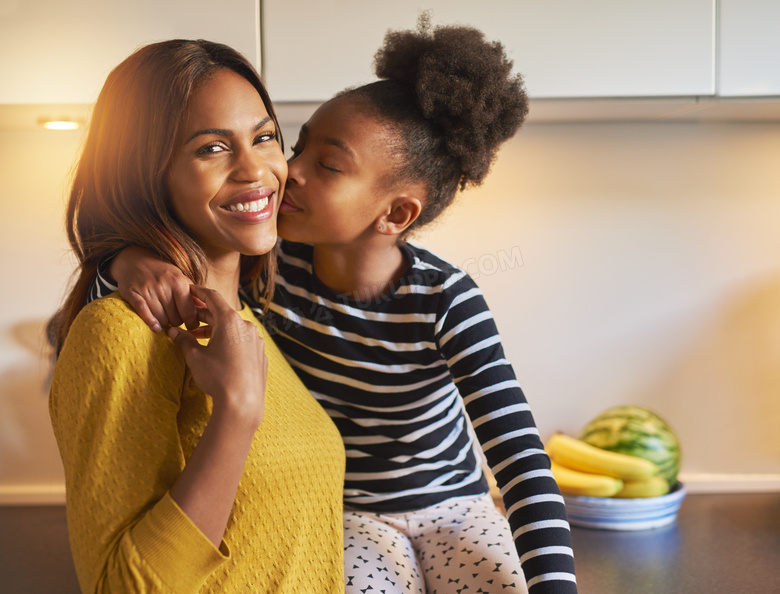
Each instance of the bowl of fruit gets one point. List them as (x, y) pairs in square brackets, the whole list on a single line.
[(621, 472)]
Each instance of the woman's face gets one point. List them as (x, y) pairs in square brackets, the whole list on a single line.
[(334, 190), (228, 170)]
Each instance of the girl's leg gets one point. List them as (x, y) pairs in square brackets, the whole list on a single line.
[(466, 546), (378, 557)]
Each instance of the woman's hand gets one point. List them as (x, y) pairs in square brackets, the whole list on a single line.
[(157, 291), (232, 368)]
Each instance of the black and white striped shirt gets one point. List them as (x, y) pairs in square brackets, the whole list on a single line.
[(394, 373)]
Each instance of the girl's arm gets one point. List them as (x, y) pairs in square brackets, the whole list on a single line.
[(157, 291), (502, 420), (141, 516)]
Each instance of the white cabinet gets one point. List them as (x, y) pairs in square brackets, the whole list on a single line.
[(563, 48), (749, 61), (60, 52)]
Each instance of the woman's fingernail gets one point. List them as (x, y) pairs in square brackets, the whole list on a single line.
[(156, 327)]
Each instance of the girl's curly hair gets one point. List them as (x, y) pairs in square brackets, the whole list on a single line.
[(452, 100)]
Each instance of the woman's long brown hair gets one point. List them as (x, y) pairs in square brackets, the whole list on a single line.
[(119, 195)]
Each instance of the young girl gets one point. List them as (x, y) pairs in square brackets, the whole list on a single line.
[(394, 341), (215, 471)]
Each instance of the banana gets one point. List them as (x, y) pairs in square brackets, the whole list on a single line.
[(573, 482), (578, 455), (655, 486)]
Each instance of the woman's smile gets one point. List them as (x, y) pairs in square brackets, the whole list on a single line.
[(254, 206)]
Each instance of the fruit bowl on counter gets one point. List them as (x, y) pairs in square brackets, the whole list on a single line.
[(621, 473), (641, 513)]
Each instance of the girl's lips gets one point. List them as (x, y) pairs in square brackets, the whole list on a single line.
[(288, 205)]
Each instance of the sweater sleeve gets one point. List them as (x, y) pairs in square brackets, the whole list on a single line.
[(468, 338), (114, 401)]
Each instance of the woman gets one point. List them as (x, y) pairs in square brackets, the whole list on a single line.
[(189, 467)]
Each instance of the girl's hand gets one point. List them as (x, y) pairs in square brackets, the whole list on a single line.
[(157, 291), (233, 367)]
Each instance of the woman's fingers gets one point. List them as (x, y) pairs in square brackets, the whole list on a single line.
[(188, 344), (202, 332), (220, 316), (215, 307), (211, 298), (204, 315), (232, 367)]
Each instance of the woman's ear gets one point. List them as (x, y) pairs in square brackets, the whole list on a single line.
[(401, 213)]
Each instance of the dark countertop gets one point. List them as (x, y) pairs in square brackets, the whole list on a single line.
[(725, 543), (719, 544)]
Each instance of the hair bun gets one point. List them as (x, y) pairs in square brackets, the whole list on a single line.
[(464, 87)]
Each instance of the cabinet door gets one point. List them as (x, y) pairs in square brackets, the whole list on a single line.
[(60, 52), (749, 48), (563, 48)]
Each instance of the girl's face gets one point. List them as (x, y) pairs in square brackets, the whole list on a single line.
[(228, 170), (334, 192)]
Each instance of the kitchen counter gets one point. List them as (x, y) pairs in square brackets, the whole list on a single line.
[(725, 543), (719, 544)]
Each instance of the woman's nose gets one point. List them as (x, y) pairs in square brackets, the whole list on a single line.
[(250, 166)]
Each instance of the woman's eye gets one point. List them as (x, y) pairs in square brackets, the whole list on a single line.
[(210, 149), (265, 137)]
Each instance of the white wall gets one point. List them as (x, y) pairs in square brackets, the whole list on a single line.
[(641, 265), (650, 275), (61, 52), (35, 267)]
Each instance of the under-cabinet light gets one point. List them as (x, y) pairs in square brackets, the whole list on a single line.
[(59, 123)]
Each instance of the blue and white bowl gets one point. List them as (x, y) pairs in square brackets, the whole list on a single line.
[(609, 513)]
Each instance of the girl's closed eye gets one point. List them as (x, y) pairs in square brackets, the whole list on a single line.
[(329, 167), (296, 152)]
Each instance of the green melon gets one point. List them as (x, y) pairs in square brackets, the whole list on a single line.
[(637, 431)]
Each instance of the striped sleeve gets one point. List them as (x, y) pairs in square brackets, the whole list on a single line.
[(468, 338), (103, 284)]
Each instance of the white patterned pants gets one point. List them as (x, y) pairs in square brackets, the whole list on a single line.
[(460, 546)]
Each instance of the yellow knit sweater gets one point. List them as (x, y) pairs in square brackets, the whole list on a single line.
[(127, 417)]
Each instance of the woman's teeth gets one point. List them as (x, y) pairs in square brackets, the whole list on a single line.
[(254, 206)]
